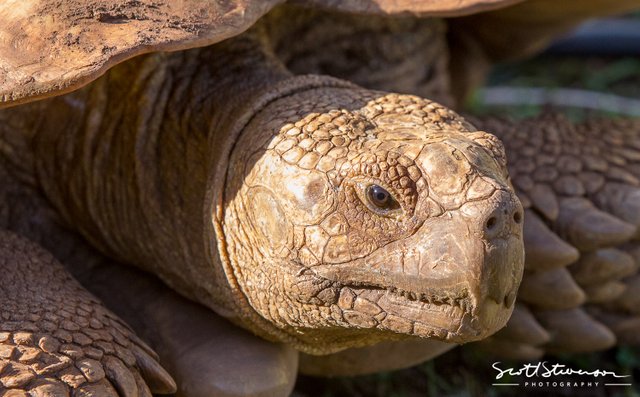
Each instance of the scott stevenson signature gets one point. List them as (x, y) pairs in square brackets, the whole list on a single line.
[(547, 370)]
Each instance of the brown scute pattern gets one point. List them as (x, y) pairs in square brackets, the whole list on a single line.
[(50, 48), (580, 184), (342, 143), (321, 114), (57, 339), (53, 48)]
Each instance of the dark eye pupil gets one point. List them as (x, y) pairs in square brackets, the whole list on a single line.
[(378, 196)]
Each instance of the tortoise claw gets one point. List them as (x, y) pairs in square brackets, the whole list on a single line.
[(120, 376), (143, 388), (158, 380)]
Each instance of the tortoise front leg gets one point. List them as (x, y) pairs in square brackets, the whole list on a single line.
[(57, 339), (207, 355), (580, 185)]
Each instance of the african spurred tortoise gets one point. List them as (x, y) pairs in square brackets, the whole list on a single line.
[(319, 215)]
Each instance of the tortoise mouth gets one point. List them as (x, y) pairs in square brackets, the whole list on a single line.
[(459, 299), (452, 316), (450, 309), (445, 282), (445, 314)]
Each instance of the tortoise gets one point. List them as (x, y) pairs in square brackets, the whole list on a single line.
[(216, 163)]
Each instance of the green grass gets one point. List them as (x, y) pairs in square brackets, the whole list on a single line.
[(618, 76)]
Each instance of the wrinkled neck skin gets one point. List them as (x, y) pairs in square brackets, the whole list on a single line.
[(137, 161), (249, 190), (132, 160)]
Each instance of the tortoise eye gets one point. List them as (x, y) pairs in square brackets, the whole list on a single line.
[(381, 198)]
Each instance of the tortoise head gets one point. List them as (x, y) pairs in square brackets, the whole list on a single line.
[(353, 217)]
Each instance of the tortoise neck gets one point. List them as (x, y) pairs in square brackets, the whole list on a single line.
[(127, 160), (136, 162)]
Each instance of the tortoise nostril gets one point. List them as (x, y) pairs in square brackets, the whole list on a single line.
[(491, 223), (517, 217)]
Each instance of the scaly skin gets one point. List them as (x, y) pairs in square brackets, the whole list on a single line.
[(582, 203), (444, 264), (56, 338), (580, 185), (582, 194), (81, 202), (354, 266), (402, 54), (205, 354)]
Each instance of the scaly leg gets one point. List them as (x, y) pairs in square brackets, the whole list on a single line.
[(207, 355), (56, 338), (580, 185)]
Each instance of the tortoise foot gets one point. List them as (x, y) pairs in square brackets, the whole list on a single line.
[(56, 339), (207, 355)]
